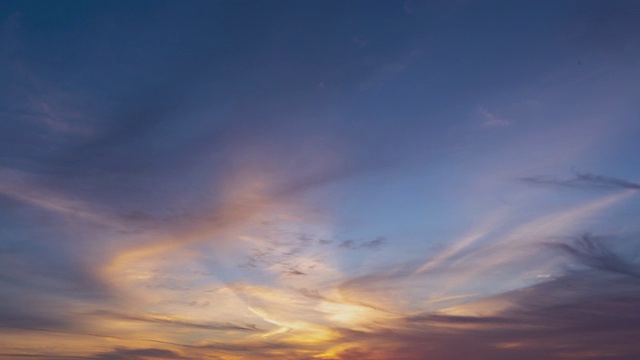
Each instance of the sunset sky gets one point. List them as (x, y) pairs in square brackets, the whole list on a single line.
[(300, 180)]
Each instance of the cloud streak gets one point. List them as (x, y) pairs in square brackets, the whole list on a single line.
[(584, 180)]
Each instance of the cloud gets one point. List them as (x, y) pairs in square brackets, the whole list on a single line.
[(138, 354), (437, 319), (492, 120), (575, 309), (294, 271), (386, 71), (591, 251), (174, 321), (462, 244), (373, 244), (348, 244), (585, 314), (353, 244), (584, 180)]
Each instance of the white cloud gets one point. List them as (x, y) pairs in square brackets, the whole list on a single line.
[(492, 120)]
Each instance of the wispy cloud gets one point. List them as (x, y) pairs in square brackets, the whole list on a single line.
[(490, 119), (173, 321), (371, 244), (590, 250), (584, 180)]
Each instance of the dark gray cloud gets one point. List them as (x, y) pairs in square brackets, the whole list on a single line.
[(572, 317), (294, 271), (372, 244), (584, 180), (348, 244), (593, 311), (592, 252), (453, 319), (138, 354), (590, 311)]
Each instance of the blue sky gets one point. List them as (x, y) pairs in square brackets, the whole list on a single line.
[(319, 179)]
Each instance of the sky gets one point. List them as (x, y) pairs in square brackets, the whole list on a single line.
[(326, 180)]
